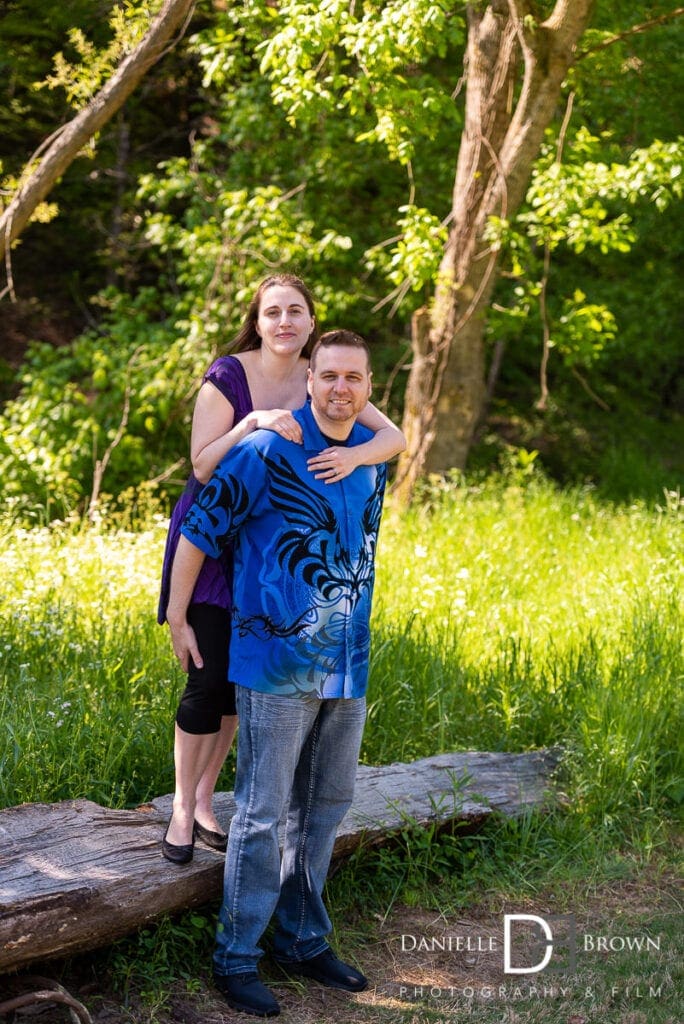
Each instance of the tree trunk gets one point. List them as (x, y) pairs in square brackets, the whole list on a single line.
[(508, 56), (68, 142)]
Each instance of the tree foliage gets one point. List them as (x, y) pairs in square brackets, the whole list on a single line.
[(325, 137), (146, 358)]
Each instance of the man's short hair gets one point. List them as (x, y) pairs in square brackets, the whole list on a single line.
[(348, 339)]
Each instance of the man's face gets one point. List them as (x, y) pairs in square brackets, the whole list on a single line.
[(339, 385)]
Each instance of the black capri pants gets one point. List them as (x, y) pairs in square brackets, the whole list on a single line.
[(208, 695)]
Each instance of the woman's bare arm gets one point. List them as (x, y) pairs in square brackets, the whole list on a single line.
[(214, 431), (333, 464)]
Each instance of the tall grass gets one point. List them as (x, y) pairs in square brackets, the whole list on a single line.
[(510, 617), (88, 684), (507, 616)]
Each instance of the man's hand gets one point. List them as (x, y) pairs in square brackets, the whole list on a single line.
[(185, 644)]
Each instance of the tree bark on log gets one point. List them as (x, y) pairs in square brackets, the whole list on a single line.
[(75, 876)]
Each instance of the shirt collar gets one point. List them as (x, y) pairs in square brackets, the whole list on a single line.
[(314, 441)]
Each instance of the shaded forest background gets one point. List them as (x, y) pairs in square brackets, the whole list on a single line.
[(137, 271)]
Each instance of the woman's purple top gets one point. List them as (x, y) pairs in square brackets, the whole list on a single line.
[(214, 583)]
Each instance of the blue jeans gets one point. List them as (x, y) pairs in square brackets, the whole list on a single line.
[(297, 754)]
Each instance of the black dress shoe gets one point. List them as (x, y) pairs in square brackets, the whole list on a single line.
[(330, 971), (177, 854), (246, 992), (216, 840)]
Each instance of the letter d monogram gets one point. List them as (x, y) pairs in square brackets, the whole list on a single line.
[(508, 969)]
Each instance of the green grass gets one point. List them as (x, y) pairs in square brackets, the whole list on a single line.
[(89, 685), (508, 615), (440, 885), (515, 617)]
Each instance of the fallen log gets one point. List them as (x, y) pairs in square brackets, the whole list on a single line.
[(75, 876)]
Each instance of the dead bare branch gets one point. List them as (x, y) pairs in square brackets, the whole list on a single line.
[(64, 145), (662, 19)]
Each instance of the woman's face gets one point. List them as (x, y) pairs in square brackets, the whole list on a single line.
[(283, 321)]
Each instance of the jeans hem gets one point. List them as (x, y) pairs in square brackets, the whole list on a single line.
[(249, 968), (288, 961)]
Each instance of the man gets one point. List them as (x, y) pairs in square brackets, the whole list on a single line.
[(303, 580)]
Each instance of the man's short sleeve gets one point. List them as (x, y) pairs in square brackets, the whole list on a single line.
[(225, 502)]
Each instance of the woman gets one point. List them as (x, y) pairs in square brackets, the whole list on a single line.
[(256, 387)]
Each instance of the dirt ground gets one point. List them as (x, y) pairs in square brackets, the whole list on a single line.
[(426, 967)]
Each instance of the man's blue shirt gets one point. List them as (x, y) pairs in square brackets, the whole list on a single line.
[(304, 562)]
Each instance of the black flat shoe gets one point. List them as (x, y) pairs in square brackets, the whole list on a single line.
[(177, 854), (247, 993), (216, 840), (328, 970)]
